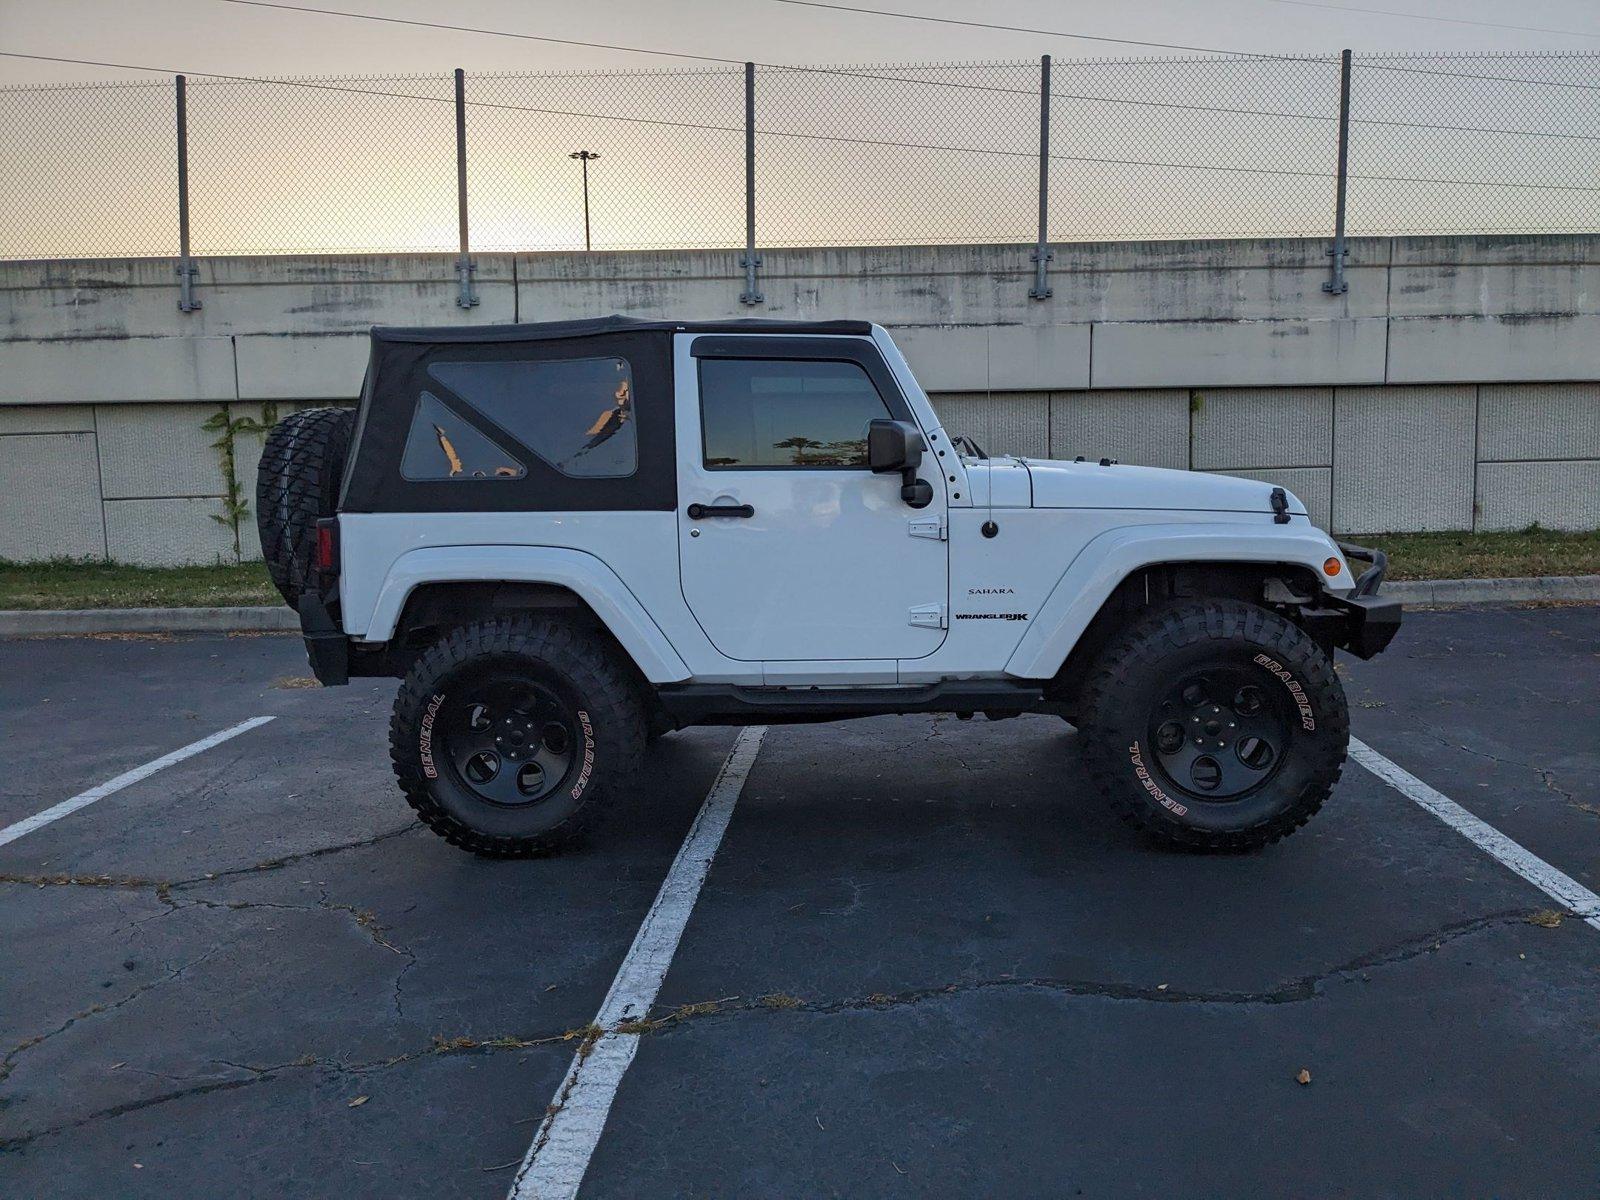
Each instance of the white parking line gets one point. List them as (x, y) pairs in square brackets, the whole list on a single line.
[(555, 1163), (1559, 886), (83, 799)]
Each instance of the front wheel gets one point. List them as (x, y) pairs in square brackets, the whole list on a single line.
[(1214, 725), (509, 736)]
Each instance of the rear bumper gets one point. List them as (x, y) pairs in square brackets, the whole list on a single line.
[(327, 647)]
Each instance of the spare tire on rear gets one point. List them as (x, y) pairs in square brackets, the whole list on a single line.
[(297, 484)]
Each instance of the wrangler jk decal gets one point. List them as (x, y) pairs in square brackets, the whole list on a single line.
[(991, 616)]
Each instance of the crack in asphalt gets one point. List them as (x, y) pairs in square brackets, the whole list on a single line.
[(1294, 991), (439, 1047), (8, 1061), (163, 887), (1546, 776), (1299, 990), (277, 864), (163, 890)]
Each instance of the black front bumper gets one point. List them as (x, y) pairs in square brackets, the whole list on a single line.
[(1368, 624), (327, 647), (1363, 622)]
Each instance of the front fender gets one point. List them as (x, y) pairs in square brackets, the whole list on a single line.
[(1111, 557), (583, 574)]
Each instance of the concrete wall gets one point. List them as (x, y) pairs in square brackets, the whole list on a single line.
[(1455, 385)]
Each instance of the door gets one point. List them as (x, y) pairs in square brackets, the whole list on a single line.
[(790, 547)]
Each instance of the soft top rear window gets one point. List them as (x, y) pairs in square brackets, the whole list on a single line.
[(588, 420), (576, 414)]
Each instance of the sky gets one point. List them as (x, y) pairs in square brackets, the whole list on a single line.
[(1195, 148), (210, 35)]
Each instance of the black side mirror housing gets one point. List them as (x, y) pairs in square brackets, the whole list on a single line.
[(893, 446), (898, 446)]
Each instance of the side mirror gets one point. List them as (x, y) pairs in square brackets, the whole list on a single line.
[(898, 446), (893, 446)]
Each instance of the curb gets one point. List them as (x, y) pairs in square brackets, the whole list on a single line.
[(1433, 593), (15, 622), (1447, 592)]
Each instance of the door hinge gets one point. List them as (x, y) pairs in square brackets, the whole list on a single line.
[(929, 527), (930, 616)]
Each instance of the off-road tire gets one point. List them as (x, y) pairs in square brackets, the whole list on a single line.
[(581, 670), (1126, 687), (297, 484)]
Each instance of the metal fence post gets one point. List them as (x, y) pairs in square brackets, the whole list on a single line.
[(1336, 284), (1042, 255), (750, 262), (186, 268), (464, 265)]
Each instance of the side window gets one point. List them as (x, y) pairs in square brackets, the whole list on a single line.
[(575, 414), (440, 445), (786, 412)]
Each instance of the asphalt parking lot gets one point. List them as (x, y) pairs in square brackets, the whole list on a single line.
[(923, 962)]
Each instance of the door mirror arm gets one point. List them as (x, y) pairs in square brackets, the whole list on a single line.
[(897, 446)]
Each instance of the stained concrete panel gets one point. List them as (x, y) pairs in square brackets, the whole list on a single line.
[(946, 359), (85, 370), (1262, 427), (1149, 428), (158, 450), (1557, 495), (167, 533), (1402, 458), (1520, 421), (1005, 423), (1495, 273), (50, 498), (290, 366), (47, 418), (138, 298), (1237, 353), (1314, 486), (1505, 349), (1038, 357)]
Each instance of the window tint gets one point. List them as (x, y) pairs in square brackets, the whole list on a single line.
[(441, 445), (786, 413), (576, 414)]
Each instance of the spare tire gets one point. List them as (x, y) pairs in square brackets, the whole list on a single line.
[(297, 484)]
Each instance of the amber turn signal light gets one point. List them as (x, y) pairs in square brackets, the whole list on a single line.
[(1332, 566)]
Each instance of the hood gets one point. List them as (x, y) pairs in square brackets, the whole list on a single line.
[(1089, 485)]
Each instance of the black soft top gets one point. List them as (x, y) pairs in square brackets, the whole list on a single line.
[(402, 369), (539, 331)]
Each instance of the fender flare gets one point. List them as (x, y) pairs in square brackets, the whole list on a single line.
[(1105, 561), (581, 573)]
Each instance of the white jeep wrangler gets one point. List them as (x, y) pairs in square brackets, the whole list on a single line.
[(569, 538)]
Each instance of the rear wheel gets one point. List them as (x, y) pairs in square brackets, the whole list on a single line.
[(1215, 725), (297, 484), (509, 736)]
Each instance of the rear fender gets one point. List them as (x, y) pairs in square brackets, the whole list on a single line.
[(583, 574), (1114, 555)]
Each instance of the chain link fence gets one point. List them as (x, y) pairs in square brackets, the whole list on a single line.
[(1189, 147)]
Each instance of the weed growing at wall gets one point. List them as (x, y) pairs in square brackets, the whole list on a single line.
[(235, 505)]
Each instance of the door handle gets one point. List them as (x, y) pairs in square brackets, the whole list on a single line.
[(699, 511)]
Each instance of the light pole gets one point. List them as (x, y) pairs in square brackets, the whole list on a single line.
[(585, 157)]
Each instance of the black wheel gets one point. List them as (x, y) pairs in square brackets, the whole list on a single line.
[(1214, 725), (302, 466), (509, 736)]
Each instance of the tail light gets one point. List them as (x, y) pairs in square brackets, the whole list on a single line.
[(328, 545)]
